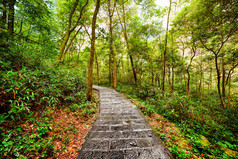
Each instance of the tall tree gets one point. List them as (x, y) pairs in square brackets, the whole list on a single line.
[(11, 4), (90, 68), (126, 38), (165, 47), (112, 53)]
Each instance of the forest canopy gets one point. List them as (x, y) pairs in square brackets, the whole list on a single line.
[(181, 60)]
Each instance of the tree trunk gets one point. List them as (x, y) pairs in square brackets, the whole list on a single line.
[(230, 72), (219, 81), (90, 70), (115, 71), (172, 87), (229, 91), (172, 79), (126, 39), (110, 69), (69, 29), (223, 79), (111, 46), (188, 83), (4, 12), (210, 81), (165, 49), (11, 16), (97, 67), (77, 61), (71, 41), (152, 73), (151, 66), (62, 48)]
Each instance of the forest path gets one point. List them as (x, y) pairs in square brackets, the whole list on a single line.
[(121, 132)]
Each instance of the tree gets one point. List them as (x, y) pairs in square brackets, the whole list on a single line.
[(165, 47), (213, 24), (71, 28), (126, 38), (90, 68)]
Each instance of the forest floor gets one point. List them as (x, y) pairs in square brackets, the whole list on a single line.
[(175, 140), (73, 128), (167, 131)]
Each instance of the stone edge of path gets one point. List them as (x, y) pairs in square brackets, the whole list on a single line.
[(98, 112), (166, 151)]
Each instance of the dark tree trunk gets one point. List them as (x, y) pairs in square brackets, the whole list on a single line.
[(223, 79), (4, 12), (11, 14), (219, 81)]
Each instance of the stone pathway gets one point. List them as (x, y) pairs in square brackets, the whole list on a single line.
[(121, 132)]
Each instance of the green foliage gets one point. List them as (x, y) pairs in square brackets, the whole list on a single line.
[(25, 91), (205, 124)]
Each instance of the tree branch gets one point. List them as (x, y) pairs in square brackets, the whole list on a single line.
[(229, 73), (24, 37), (80, 16), (207, 47)]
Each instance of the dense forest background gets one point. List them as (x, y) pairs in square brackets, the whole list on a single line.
[(179, 61)]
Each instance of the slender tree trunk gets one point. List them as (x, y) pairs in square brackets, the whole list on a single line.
[(210, 81), (151, 66), (63, 45), (4, 12), (172, 79), (219, 81), (184, 75), (110, 69), (126, 39), (152, 73), (185, 82), (172, 88), (229, 91), (188, 68), (169, 77), (230, 72), (111, 46), (71, 41), (188, 83), (11, 16), (3, 44), (115, 71), (77, 61), (69, 29), (97, 67), (223, 79), (165, 49), (223, 70), (90, 70)]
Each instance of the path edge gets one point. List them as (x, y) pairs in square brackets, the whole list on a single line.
[(86, 138), (166, 151)]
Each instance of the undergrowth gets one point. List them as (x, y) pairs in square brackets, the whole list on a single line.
[(28, 97), (210, 130)]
